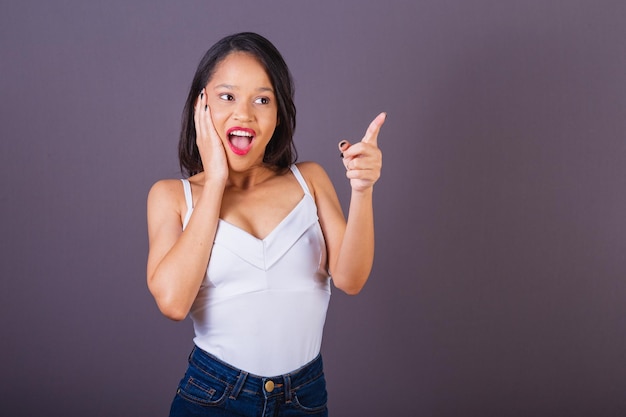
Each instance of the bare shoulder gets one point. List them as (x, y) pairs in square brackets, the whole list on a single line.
[(319, 183), (314, 174), (165, 189), (166, 195), (310, 167)]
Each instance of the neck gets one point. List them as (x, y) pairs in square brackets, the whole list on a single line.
[(250, 177)]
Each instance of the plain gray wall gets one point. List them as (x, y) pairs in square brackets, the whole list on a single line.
[(498, 287)]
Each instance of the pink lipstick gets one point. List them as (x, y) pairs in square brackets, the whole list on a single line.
[(240, 139)]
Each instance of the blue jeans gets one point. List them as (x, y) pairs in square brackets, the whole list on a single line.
[(211, 387)]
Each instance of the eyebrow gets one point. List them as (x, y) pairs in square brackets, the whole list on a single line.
[(232, 87)]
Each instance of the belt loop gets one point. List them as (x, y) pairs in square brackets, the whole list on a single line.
[(287, 382), (241, 379)]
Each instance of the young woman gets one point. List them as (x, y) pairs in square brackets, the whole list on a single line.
[(247, 244)]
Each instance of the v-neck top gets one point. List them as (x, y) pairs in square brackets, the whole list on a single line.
[(263, 302)]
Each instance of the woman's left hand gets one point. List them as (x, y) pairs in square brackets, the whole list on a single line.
[(364, 160)]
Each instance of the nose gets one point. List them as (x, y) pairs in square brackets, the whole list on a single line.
[(243, 112)]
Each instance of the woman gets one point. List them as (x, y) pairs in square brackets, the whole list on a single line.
[(246, 244)]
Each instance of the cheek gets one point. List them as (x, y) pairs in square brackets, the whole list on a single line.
[(219, 115), (217, 106), (272, 120)]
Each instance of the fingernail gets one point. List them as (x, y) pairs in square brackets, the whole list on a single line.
[(202, 94), (206, 107), (342, 143), (341, 154)]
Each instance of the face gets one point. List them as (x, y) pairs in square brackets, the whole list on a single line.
[(243, 108)]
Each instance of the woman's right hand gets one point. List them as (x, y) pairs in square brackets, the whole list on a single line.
[(177, 260), (209, 144)]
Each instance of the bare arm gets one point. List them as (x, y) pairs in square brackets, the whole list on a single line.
[(351, 244), (177, 260)]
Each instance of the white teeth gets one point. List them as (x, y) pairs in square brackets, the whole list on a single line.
[(241, 133)]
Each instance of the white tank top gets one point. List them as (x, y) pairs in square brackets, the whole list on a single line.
[(262, 304)]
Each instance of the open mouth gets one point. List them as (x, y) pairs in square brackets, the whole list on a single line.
[(240, 139)]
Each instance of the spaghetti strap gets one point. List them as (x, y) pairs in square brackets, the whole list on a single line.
[(188, 200), (300, 178)]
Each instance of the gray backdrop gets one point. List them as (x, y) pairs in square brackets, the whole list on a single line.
[(498, 287)]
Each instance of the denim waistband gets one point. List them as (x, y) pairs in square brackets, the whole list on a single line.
[(279, 385)]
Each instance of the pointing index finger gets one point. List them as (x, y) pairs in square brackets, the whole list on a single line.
[(371, 135)]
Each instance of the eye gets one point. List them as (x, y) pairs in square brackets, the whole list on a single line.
[(226, 97), (262, 100)]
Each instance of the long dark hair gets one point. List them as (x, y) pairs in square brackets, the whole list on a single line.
[(280, 152)]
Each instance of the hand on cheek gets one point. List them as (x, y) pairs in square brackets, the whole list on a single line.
[(208, 141)]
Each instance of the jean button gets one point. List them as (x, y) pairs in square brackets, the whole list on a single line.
[(269, 386)]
